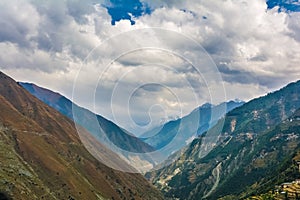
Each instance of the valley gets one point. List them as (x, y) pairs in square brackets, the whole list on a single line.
[(237, 154), (149, 100), (42, 156), (253, 140)]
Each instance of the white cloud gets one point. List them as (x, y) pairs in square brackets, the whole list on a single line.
[(13, 56), (253, 47), (19, 21), (253, 39)]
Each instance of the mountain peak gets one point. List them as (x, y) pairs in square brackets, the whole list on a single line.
[(206, 105)]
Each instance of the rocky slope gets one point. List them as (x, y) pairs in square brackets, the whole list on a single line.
[(256, 143), (42, 156)]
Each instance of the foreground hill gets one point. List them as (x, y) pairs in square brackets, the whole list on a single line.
[(284, 182), (42, 156), (252, 150)]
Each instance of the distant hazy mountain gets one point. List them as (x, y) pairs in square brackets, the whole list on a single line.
[(254, 151), (118, 136), (182, 131), (42, 157)]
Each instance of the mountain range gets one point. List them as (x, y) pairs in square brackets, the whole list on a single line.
[(97, 125), (42, 156), (239, 155), (176, 134), (252, 151), (185, 129)]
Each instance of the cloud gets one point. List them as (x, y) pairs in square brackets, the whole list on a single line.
[(257, 49), (294, 26), (19, 21), (253, 47), (46, 35), (13, 56)]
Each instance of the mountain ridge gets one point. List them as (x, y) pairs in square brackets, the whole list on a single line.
[(42, 156), (208, 115), (186, 128), (241, 155), (102, 129)]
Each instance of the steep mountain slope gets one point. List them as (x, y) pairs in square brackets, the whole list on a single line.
[(42, 156), (270, 160), (257, 139), (118, 136), (284, 142), (132, 149), (184, 129)]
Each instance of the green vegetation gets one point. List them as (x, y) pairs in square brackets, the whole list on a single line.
[(255, 152)]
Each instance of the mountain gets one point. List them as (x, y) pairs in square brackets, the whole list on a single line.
[(251, 150), (284, 142), (181, 131), (53, 99), (85, 118), (207, 115), (42, 156)]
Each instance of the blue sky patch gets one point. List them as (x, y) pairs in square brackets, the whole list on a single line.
[(126, 10), (285, 5)]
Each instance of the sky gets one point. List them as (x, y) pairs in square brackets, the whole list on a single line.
[(140, 63)]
